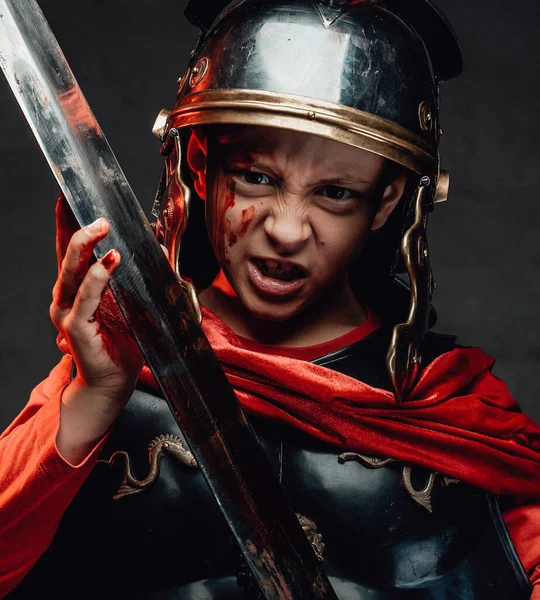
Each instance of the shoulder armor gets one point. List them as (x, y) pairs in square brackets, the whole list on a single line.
[(435, 344)]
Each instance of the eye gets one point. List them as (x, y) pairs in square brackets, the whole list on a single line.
[(254, 178), (337, 193)]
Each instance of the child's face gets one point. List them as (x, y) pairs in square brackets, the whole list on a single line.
[(288, 213)]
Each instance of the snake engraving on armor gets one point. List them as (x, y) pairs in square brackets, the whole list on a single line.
[(422, 496), (314, 537), (163, 444)]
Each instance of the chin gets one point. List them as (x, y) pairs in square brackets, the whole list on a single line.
[(266, 311)]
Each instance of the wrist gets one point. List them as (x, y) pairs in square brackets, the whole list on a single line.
[(86, 415), (103, 397)]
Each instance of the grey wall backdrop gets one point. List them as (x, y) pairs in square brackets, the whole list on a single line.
[(128, 55)]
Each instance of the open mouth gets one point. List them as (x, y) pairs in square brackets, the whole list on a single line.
[(279, 271)]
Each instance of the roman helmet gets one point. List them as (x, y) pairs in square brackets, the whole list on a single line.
[(363, 72)]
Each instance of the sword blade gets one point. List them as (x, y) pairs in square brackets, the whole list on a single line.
[(158, 310)]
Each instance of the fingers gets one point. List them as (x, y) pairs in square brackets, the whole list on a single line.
[(91, 289), (75, 264), (66, 226)]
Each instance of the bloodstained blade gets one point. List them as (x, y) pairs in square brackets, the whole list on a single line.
[(158, 310)]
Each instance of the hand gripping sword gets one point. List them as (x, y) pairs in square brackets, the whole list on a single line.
[(159, 311)]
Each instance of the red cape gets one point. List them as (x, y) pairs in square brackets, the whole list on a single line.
[(460, 419)]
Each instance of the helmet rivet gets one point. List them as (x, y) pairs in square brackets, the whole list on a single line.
[(425, 116), (311, 115), (441, 132), (158, 231), (414, 357), (181, 81), (168, 215), (199, 71), (423, 253), (425, 181)]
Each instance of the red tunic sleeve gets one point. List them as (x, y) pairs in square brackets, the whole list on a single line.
[(523, 522), (37, 483)]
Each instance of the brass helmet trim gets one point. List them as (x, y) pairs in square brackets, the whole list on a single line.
[(349, 126)]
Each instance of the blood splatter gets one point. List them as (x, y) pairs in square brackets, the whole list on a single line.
[(231, 195), (85, 258), (233, 238), (66, 288), (110, 346), (110, 259), (114, 332), (247, 218), (243, 165)]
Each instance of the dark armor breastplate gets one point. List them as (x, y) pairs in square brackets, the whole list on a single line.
[(390, 531)]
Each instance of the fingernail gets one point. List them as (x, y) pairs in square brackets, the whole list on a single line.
[(109, 259), (96, 226)]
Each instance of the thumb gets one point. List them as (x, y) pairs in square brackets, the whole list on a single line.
[(66, 226)]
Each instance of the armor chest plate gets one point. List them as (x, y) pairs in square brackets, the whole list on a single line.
[(171, 541), (390, 531)]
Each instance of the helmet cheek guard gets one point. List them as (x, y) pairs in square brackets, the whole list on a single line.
[(364, 73), (172, 203)]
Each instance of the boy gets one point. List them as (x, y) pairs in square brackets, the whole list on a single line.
[(309, 183)]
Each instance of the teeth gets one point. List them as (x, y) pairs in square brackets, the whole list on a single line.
[(272, 264), (286, 272)]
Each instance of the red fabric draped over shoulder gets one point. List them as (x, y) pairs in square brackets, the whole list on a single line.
[(460, 419)]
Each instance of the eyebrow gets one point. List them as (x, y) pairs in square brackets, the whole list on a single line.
[(237, 147), (342, 179)]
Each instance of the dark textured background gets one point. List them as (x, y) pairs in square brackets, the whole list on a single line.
[(127, 56)]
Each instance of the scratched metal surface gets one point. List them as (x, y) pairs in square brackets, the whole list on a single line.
[(155, 305)]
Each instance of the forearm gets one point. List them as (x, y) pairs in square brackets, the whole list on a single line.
[(37, 484), (86, 414)]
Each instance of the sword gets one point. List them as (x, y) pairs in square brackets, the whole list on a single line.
[(159, 311)]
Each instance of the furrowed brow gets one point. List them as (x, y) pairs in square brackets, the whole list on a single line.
[(343, 179)]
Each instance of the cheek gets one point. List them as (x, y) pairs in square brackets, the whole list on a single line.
[(237, 224), (340, 242), (248, 215), (219, 207), (227, 221)]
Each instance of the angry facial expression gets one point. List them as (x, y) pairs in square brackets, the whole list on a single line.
[(288, 213)]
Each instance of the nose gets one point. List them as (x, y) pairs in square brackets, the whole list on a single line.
[(288, 228)]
